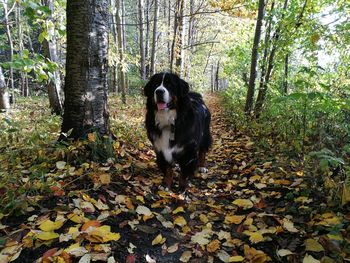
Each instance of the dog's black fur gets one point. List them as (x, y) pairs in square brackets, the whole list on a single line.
[(175, 113)]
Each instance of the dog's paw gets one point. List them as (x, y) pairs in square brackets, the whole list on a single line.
[(177, 168), (202, 170)]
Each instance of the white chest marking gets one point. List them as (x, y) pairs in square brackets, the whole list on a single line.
[(164, 119)]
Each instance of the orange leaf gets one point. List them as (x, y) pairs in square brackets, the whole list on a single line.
[(49, 254), (93, 223)]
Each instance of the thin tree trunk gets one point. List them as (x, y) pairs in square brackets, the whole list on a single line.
[(155, 36), (262, 92), (177, 44), (254, 59), (86, 69), (190, 38), (10, 42), (4, 95), (285, 81), (147, 34), (142, 41), (54, 83), (121, 53)]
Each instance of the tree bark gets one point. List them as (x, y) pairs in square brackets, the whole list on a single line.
[(54, 83), (155, 37), (10, 42), (285, 80), (176, 47), (86, 69), (4, 95), (121, 72), (142, 41), (254, 59), (262, 92)]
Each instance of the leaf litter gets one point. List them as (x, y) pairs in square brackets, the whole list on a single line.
[(252, 205)]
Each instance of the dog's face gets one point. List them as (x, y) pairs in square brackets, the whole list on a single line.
[(165, 89)]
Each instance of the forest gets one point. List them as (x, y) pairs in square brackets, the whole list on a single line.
[(79, 180)]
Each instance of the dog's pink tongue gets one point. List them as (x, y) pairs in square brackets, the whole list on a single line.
[(161, 106)]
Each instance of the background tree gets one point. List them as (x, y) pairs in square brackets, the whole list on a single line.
[(4, 95), (86, 69)]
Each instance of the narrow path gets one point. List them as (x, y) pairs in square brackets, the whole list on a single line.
[(251, 206)]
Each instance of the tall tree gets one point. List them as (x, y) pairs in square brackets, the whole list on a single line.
[(122, 79), (254, 58), (7, 12), (155, 37), (177, 44), (86, 69), (270, 64), (142, 40), (4, 95), (50, 50)]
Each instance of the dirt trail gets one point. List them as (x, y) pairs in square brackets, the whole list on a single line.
[(251, 206)]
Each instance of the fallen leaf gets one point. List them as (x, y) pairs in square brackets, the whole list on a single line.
[(312, 245), (236, 259), (284, 252), (234, 219), (186, 256), (173, 248), (180, 209), (143, 210), (180, 221), (310, 259), (159, 239), (92, 224), (243, 203), (202, 237), (46, 236), (213, 246), (49, 225)]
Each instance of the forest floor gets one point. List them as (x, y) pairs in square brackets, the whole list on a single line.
[(252, 205)]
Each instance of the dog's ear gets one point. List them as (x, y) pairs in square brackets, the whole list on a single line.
[(184, 88), (147, 89)]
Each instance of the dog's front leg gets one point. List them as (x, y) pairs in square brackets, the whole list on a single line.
[(166, 169)]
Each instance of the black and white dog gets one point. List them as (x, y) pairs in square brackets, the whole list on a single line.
[(178, 125)]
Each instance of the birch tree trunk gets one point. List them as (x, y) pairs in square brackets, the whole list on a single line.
[(10, 42), (176, 48), (4, 95), (54, 83), (86, 69), (142, 41), (155, 37), (254, 59), (121, 72)]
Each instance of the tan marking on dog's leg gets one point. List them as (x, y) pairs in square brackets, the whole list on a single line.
[(168, 177)]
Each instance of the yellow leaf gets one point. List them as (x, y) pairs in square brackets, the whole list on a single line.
[(213, 246), (287, 224), (253, 255), (103, 234), (310, 259), (158, 240), (105, 178), (254, 237), (46, 236), (203, 218), (178, 210), (284, 252), (236, 259), (140, 198), (243, 203), (233, 219), (312, 245), (79, 219), (180, 221), (49, 225), (186, 256)]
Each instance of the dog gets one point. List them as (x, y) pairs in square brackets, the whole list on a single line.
[(178, 125)]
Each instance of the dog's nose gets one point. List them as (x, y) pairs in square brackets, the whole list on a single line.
[(159, 92)]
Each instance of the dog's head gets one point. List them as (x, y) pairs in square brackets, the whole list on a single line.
[(165, 89)]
